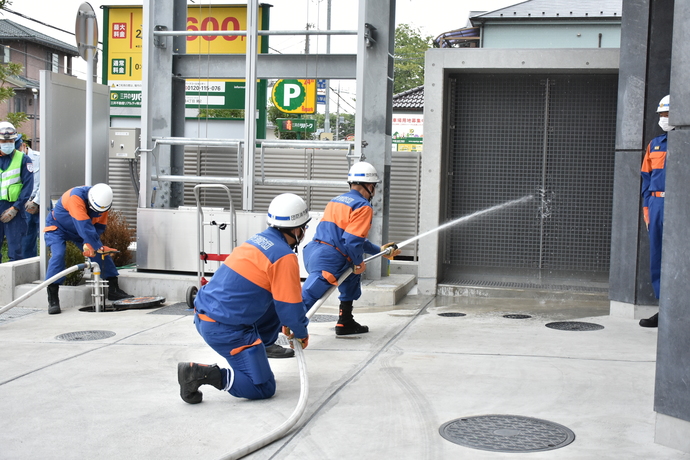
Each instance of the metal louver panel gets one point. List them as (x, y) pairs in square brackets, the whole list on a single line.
[(124, 196), (550, 136)]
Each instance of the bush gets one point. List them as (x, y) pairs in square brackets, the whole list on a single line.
[(73, 256), (118, 236)]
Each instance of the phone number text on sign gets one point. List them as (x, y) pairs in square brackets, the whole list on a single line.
[(204, 86)]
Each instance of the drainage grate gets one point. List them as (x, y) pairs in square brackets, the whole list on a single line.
[(516, 285), (574, 326), (507, 433), (323, 318), (81, 336), (451, 314), (514, 316)]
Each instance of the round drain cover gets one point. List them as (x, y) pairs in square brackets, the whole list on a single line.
[(514, 316), (81, 336), (138, 302), (323, 318), (574, 326), (451, 314), (507, 433)]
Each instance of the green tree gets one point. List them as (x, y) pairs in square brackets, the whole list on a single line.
[(7, 71), (410, 46), (221, 113)]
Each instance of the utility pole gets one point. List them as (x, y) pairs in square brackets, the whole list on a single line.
[(306, 39), (327, 118)]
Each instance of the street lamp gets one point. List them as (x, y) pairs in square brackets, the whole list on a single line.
[(34, 140)]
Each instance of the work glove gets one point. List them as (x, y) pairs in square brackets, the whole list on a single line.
[(359, 269), (8, 215), (393, 252), (31, 207), (290, 335), (88, 250)]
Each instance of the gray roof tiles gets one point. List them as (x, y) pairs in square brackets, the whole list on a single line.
[(10, 30), (412, 99)]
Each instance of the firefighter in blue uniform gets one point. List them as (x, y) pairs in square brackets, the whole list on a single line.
[(80, 216), (240, 311), (653, 193), (340, 242), (16, 184)]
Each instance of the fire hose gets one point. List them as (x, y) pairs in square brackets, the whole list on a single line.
[(304, 390), (87, 264)]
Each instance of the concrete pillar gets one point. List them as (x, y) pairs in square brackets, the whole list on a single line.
[(374, 109), (645, 66), (673, 350)]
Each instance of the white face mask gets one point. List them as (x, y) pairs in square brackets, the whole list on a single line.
[(663, 122), (7, 148)]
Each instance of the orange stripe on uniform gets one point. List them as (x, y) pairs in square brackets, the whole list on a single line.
[(285, 284), (338, 213), (75, 206), (234, 351), (360, 222), (102, 219), (658, 159), (251, 263), (329, 277), (50, 228)]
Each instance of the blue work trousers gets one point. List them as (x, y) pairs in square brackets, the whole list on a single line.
[(30, 240), (14, 231), (325, 265), (656, 231), (253, 378), (57, 242)]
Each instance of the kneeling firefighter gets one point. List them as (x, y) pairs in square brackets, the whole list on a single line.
[(80, 216), (240, 311)]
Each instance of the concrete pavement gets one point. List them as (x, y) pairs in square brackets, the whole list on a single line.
[(376, 396)]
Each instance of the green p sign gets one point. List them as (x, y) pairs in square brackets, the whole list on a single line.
[(295, 96)]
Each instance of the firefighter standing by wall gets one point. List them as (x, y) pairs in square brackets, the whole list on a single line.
[(16, 184), (653, 193)]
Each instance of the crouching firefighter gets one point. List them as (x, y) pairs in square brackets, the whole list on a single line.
[(240, 311), (80, 216)]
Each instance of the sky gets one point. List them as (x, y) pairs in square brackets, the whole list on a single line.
[(430, 17)]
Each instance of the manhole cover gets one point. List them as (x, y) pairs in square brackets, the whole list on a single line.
[(81, 336), (451, 314), (507, 433), (323, 318), (138, 302), (514, 316), (574, 326)]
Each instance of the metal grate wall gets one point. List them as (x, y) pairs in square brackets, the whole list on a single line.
[(549, 136)]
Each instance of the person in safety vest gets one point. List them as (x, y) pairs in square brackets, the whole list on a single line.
[(240, 311), (340, 242), (30, 239), (80, 216), (16, 184), (653, 192)]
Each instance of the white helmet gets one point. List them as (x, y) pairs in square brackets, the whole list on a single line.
[(363, 172), (100, 197), (663, 104), (287, 211), (7, 130)]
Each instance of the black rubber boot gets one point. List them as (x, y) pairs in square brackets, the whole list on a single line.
[(652, 321), (276, 351), (53, 299), (191, 376), (346, 322), (114, 291)]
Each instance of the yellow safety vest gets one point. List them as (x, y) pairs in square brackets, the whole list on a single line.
[(11, 181)]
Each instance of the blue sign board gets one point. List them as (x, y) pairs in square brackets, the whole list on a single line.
[(321, 99), (320, 84)]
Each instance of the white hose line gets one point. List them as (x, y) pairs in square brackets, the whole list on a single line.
[(290, 422), (50, 280)]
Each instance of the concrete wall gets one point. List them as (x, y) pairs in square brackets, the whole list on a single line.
[(439, 64)]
